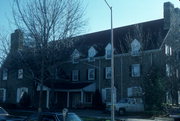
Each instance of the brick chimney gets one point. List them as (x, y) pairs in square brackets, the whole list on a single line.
[(17, 40), (168, 14)]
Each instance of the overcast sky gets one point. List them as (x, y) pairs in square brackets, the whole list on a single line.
[(125, 12)]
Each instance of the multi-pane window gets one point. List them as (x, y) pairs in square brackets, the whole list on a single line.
[(75, 75), (2, 95), (5, 74), (91, 53), (135, 47), (108, 51), (135, 70), (134, 92), (75, 56), (108, 54), (20, 73), (168, 70), (168, 50), (91, 74), (108, 72), (20, 92), (106, 95), (88, 97)]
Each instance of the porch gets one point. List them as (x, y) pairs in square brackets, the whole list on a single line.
[(68, 95)]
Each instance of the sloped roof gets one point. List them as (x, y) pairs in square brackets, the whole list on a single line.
[(67, 85), (152, 32)]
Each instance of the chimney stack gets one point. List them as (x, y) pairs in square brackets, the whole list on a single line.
[(168, 14), (17, 40)]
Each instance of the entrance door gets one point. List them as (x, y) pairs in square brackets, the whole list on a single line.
[(76, 99), (61, 100)]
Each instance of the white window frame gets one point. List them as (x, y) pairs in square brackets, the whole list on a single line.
[(108, 51), (75, 56), (166, 49), (75, 75), (134, 68), (170, 51), (168, 70), (20, 92), (106, 98), (108, 72), (108, 54), (20, 73), (91, 53), (91, 71), (5, 74), (135, 47), (4, 94), (135, 91), (86, 96)]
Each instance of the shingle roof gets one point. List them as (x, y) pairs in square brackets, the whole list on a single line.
[(67, 85), (152, 32)]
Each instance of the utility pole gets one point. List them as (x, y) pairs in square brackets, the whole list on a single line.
[(112, 67)]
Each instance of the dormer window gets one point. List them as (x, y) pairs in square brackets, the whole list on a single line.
[(20, 73), (91, 53), (135, 47), (75, 56), (108, 51)]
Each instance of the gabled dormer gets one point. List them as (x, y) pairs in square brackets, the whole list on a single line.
[(75, 56), (135, 47), (108, 51), (91, 53)]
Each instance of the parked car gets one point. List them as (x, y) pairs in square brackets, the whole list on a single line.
[(5, 116), (175, 113), (3, 112), (53, 116), (127, 105)]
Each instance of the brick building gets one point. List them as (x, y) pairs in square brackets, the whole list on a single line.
[(85, 67)]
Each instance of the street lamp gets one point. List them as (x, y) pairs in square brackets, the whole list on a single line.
[(112, 66)]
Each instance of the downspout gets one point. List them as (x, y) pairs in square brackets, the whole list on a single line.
[(99, 74), (121, 78)]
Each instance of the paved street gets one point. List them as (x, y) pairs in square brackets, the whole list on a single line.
[(102, 115), (86, 113)]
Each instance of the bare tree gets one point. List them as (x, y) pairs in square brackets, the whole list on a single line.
[(172, 59), (4, 48), (46, 21)]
